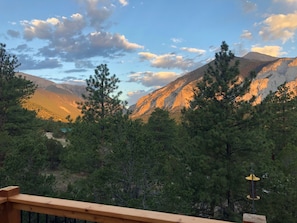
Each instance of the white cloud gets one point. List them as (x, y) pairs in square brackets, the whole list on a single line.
[(36, 29), (97, 11), (176, 40), (133, 96), (150, 78), (131, 93), (169, 60), (279, 26), (53, 27), (147, 55), (275, 51), (107, 40), (67, 39), (123, 2), (53, 21), (73, 80), (246, 35), (193, 50)]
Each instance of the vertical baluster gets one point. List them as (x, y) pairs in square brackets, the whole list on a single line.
[(30, 217)]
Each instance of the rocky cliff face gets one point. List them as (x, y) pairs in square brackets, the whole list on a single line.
[(172, 97), (271, 73), (281, 71)]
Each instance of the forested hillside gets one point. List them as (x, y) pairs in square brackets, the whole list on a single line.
[(195, 167)]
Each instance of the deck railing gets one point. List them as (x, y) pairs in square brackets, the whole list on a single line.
[(13, 203)]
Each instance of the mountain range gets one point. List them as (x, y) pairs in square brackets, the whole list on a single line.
[(59, 100), (177, 94)]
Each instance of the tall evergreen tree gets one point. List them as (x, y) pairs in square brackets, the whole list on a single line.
[(221, 82), (277, 114), (22, 156), (279, 118), (91, 135), (101, 99), (13, 89), (217, 123)]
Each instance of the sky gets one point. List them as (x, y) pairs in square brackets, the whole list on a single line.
[(145, 43)]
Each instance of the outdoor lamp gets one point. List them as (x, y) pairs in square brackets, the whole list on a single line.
[(253, 179)]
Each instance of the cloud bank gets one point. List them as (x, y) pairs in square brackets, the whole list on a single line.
[(80, 36), (279, 26)]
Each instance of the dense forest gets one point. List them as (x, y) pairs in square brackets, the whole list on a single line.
[(196, 166)]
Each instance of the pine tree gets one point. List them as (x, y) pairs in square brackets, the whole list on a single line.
[(13, 89), (22, 156), (222, 146), (221, 82), (280, 118), (277, 113), (99, 102)]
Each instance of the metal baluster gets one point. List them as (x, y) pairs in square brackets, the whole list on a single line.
[(32, 217)]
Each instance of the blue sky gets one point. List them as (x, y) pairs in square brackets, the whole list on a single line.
[(146, 43)]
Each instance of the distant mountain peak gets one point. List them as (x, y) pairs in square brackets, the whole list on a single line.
[(259, 57)]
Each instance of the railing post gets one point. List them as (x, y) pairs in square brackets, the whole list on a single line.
[(7, 213)]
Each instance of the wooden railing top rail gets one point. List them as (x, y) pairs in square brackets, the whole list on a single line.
[(93, 212), (3, 200)]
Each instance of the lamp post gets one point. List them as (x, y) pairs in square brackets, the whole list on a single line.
[(253, 196)]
